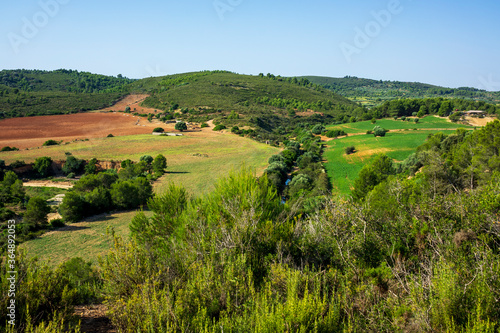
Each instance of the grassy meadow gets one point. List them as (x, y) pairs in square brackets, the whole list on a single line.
[(194, 162), (88, 239), (343, 169), (429, 122)]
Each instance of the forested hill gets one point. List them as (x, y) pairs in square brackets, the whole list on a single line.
[(272, 105), (376, 91), (228, 91), (36, 92), (61, 80)]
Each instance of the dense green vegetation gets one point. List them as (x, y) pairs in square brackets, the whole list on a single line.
[(297, 172), (239, 260), (436, 106), (101, 192), (278, 253), (34, 92), (15, 202), (267, 104), (62, 80), (374, 92)]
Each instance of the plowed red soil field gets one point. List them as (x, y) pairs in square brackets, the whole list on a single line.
[(34, 131)]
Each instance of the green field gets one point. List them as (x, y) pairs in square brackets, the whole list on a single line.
[(195, 162), (343, 169), (87, 239), (198, 174), (429, 122)]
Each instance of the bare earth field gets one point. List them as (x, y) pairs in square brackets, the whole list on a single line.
[(34, 131), (133, 101), (474, 121)]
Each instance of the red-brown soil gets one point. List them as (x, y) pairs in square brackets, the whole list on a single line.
[(134, 102), (34, 131)]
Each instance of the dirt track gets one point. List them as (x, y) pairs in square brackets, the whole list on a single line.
[(42, 183), (134, 102)]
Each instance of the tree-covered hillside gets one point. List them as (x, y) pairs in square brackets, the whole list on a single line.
[(34, 92), (242, 93), (376, 91), (271, 104), (62, 80)]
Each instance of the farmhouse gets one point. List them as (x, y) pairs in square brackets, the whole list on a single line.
[(167, 134), (475, 113)]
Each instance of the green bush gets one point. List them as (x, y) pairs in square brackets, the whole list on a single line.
[(349, 150), (7, 148), (36, 211), (317, 129), (73, 165), (455, 116), (219, 127), (379, 131), (159, 130), (43, 166), (181, 126), (159, 164), (57, 223), (147, 158), (42, 293), (203, 125), (72, 209), (51, 143), (17, 164), (335, 133), (91, 167)]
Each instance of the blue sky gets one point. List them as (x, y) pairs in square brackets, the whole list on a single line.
[(442, 42)]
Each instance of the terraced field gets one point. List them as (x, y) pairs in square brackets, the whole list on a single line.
[(402, 140)]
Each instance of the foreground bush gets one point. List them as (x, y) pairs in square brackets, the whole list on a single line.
[(237, 260), (45, 296)]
